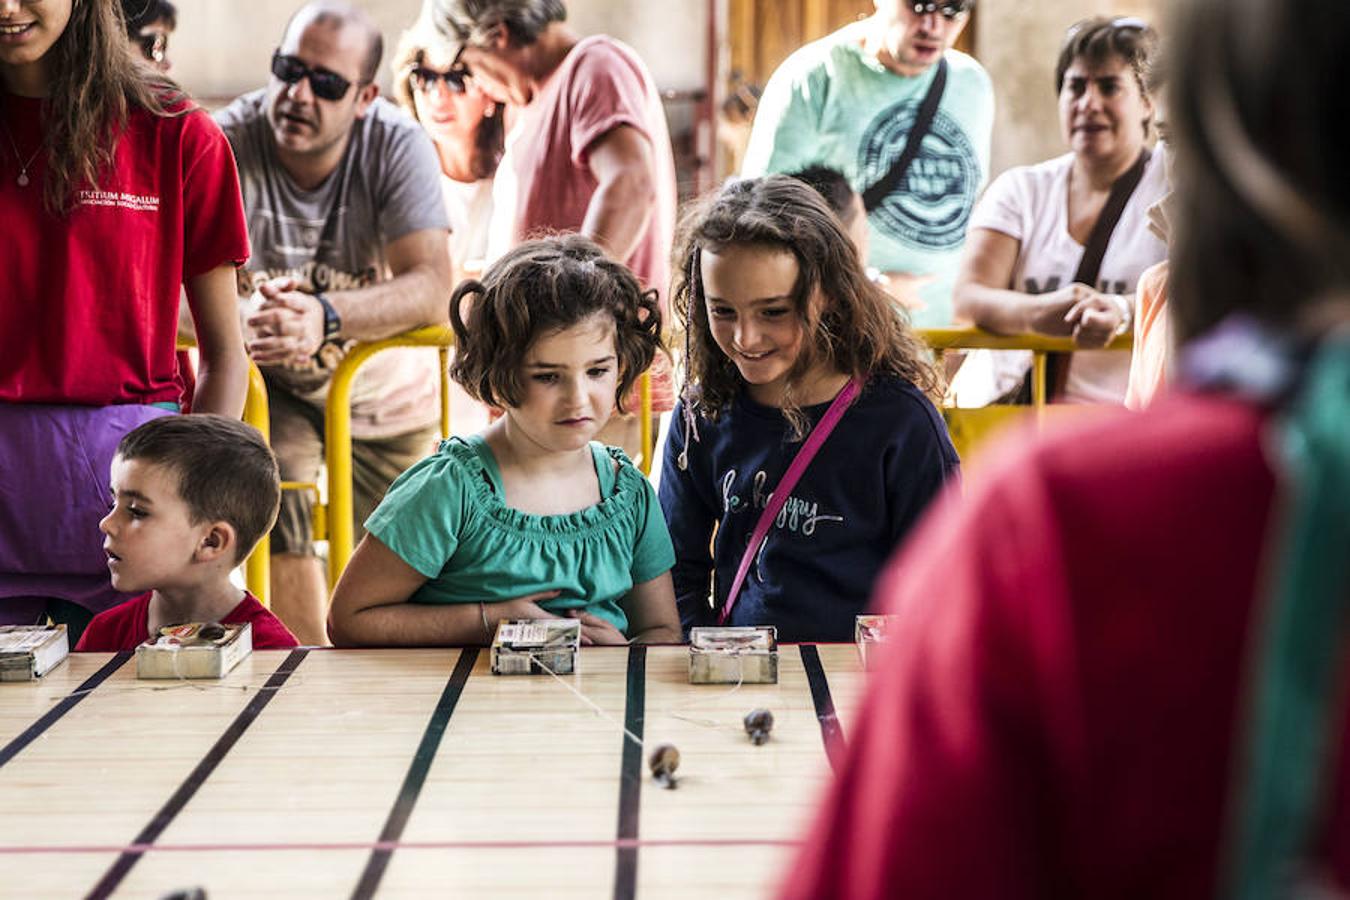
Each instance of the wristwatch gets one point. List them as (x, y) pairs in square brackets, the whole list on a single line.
[(332, 322)]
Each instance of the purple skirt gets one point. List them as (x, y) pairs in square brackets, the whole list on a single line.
[(54, 469)]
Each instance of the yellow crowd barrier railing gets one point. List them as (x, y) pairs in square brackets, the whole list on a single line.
[(1040, 346), (338, 424), (970, 428), (338, 432), (258, 566)]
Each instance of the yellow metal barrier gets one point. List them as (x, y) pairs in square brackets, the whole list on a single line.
[(338, 433), (338, 425), (258, 566), (971, 427)]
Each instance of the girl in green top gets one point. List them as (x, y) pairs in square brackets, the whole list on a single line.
[(529, 519)]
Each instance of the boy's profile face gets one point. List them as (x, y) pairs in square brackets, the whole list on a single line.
[(151, 539)]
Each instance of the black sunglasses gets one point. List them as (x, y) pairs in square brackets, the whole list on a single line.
[(424, 79), (153, 45), (325, 84), (949, 10)]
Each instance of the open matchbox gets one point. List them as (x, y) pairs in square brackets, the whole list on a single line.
[(534, 646), (194, 650), (733, 655)]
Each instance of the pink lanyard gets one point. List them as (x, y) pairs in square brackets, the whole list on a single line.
[(789, 481)]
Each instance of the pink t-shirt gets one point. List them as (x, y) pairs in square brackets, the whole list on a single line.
[(544, 183)]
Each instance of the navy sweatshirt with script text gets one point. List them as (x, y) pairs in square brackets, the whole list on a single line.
[(885, 461)]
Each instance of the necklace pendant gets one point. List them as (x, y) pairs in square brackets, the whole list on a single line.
[(23, 179)]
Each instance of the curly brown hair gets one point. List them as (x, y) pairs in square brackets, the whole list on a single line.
[(542, 287), (860, 330), (96, 80)]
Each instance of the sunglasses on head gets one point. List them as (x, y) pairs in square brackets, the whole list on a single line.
[(948, 10), (424, 79), (325, 84), (154, 45), (1119, 23)]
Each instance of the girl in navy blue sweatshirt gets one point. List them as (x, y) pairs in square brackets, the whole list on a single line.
[(779, 318)]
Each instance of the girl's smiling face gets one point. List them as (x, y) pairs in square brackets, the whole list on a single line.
[(747, 289)]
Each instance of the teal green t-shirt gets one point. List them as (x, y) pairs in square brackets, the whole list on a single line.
[(832, 104), (446, 518)]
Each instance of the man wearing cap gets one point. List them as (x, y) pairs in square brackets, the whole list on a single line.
[(349, 244), (851, 100)]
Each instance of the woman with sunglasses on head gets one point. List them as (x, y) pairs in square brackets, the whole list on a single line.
[(116, 193), (1036, 232), (466, 126), (149, 24), (1167, 719)]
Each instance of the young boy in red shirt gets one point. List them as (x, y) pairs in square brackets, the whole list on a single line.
[(191, 496)]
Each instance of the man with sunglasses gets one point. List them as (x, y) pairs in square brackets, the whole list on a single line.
[(851, 100), (349, 244)]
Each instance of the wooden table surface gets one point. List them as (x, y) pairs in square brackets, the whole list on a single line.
[(411, 773)]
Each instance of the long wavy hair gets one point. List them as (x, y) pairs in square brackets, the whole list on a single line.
[(859, 329), (96, 80)]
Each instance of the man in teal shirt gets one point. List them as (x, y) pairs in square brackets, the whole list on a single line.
[(849, 100)]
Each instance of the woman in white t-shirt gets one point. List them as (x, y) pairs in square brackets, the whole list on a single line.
[(1029, 231), (466, 127)]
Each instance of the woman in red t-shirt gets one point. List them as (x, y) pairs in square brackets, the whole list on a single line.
[(116, 193)]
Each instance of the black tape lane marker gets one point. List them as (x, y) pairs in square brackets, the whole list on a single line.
[(53, 715), (223, 745), (417, 775), (630, 777), (830, 730)]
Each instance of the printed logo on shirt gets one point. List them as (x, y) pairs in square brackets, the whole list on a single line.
[(931, 206), (1034, 286), (311, 278), (121, 199)]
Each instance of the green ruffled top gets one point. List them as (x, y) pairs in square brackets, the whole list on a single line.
[(446, 517)]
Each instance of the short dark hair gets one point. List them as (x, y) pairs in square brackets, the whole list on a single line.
[(1099, 39), (834, 187), (471, 20), (226, 472), (343, 14), (542, 287), (140, 13)]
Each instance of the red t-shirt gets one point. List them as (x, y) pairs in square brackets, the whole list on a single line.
[(89, 301), (128, 624), (1056, 717)]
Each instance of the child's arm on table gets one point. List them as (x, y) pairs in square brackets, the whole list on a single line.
[(652, 617), (370, 606)]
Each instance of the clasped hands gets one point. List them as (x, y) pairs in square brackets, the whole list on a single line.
[(288, 329), (594, 630), (1090, 317)]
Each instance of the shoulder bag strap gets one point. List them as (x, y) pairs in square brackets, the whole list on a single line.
[(881, 188), (1090, 264), (789, 481)]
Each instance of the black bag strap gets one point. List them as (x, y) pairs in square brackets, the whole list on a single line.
[(883, 186), (1121, 191), (1090, 264)]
